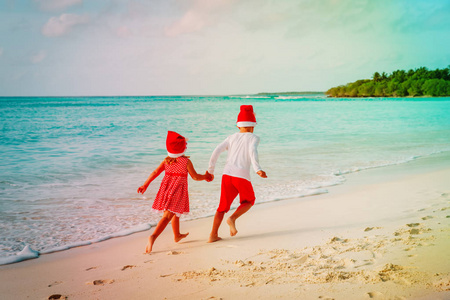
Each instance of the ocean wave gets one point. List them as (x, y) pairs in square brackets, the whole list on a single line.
[(29, 253), (375, 165), (26, 253)]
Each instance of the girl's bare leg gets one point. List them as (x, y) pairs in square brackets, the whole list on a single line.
[(176, 229), (214, 236), (158, 230), (242, 209)]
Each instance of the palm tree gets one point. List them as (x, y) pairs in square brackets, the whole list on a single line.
[(376, 76)]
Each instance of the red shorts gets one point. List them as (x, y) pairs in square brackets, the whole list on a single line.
[(231, 187)]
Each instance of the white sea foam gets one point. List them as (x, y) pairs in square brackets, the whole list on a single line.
[(26, 253), (141, 227), (380, 164), (250, 97), (29, 253), (312, 96)]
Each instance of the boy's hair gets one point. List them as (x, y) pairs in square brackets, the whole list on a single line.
[(171, 160)]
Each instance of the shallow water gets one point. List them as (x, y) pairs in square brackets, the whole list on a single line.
[(70, 166)]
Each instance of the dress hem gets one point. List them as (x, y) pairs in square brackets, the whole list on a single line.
[(160, 211)]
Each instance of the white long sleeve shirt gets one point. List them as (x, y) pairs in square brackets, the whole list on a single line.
[(242, 153)]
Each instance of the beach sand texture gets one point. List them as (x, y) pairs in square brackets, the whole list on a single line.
[(384, 234)]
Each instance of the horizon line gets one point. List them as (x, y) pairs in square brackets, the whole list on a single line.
[(186, 95)]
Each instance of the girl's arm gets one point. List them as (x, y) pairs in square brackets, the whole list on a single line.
[(150, 178), (193, 173)]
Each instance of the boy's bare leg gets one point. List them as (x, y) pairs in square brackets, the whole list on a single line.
[(158, 230), (242, 209), (214, 236), (176, 229)]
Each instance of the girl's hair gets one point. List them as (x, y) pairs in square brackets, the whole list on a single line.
[(170, 160)]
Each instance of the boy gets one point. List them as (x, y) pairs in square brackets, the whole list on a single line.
[(242, 153)]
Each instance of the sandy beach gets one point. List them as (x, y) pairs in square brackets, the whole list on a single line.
[(383, 234)]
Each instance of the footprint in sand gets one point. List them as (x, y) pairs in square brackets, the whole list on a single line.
[(372, 228), (326, 298), (174, 252), (54, 283), (101, 282), (427, 218), (366, 263), (91, 268), (414, 231), (375, 295), (57, 297), (442, 284), (301, 260), (128, 267)]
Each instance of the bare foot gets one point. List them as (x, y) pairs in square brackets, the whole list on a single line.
[(233, 229), (151, 241), (213, 239), (180, 237)]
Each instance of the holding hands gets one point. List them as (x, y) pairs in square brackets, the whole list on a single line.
[(209, 177)]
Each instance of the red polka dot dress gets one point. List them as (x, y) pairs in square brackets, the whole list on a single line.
[(173, 192)]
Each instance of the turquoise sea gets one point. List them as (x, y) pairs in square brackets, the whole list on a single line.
[(70, 167)]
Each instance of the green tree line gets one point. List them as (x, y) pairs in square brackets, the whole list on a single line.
[(400, 83)]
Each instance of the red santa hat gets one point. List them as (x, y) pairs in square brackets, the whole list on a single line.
[(176, 144), (246, 117)]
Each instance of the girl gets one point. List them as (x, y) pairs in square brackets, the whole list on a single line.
[(172, 197)]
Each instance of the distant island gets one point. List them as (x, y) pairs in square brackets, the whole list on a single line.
[(400, 83)]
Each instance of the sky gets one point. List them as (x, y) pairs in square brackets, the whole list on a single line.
[(212, 47)]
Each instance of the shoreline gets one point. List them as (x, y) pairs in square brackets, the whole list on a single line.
[(271, 231), (28, 252)]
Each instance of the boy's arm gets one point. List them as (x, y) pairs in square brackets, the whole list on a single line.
[(255, 160), (215, 155), (150, 178)]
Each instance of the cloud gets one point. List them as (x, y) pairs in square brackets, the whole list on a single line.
[(136, 10), (38, 57), (59, 26), (203, 12), (192, 21), (123, 32), (57, 5)]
